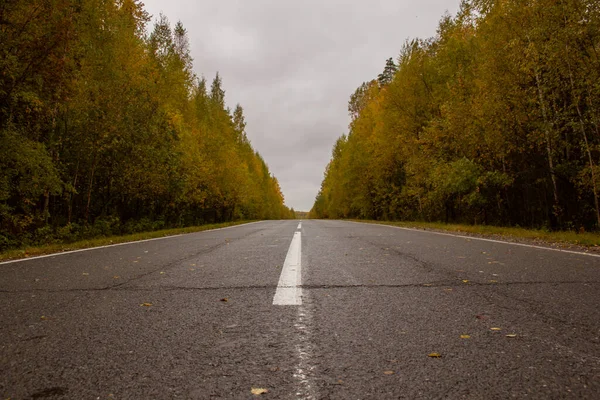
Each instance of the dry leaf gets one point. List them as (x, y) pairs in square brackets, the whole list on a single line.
[(224, 299), (116, 277), (511, 335), (389, 372), (448, 290), (85, 274), (495, 329), (43, 317), (427, 284), (465, 281), (465, 336), (145, 304), (493, 281), (258, 391), (162, 272), (434, 355)]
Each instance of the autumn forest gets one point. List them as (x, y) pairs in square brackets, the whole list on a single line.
[(495, 120), (105, 129)]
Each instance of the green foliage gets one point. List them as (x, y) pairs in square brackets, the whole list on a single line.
[(495, 120), (105, 129)]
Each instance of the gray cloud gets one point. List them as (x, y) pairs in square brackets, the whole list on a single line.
[(292, 65)]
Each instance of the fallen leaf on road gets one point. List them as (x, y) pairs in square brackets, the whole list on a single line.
[(43, 317), (481, 316), (427, 284), (258, 391), (465, 281), (274, 369), (162, 272), (493, 281), (116, 277), (434, 355), (448, 290), (495, 329), (465, 336), (224, 299), (388, 372), (511, 335), (145, 304)]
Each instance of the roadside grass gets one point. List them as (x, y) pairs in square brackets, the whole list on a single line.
[(585, 239), (31, 251)]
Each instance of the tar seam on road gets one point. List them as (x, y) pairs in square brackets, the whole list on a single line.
[(123, 244), (289, 290), (482, 239)]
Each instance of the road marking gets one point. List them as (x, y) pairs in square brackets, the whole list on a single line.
[(482, 239), (289, 292), (305, 369), (299, 226), (122, 244)]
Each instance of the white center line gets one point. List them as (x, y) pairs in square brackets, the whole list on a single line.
[(289, 292), (299, 226)]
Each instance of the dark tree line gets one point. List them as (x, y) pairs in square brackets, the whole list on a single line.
[(105, 129), (494, 120)]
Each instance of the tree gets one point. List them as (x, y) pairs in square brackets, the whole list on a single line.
[(388, 73)]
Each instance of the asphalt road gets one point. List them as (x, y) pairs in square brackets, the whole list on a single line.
[(192, 317)]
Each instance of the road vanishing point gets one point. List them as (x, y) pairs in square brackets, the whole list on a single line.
[(315, 309)]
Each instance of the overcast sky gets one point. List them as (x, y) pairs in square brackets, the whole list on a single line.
[(292, 65)]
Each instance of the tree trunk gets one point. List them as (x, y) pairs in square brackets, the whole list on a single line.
[(556, 207), (89, 193), (70, 200), (585, 138)]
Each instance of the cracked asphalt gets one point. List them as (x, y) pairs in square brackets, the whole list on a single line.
[(192, 317)]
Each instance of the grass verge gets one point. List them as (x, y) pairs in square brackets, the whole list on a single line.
[(585, 239), (103, 241)]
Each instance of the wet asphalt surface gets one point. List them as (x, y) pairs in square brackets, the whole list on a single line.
[(191, 317)]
